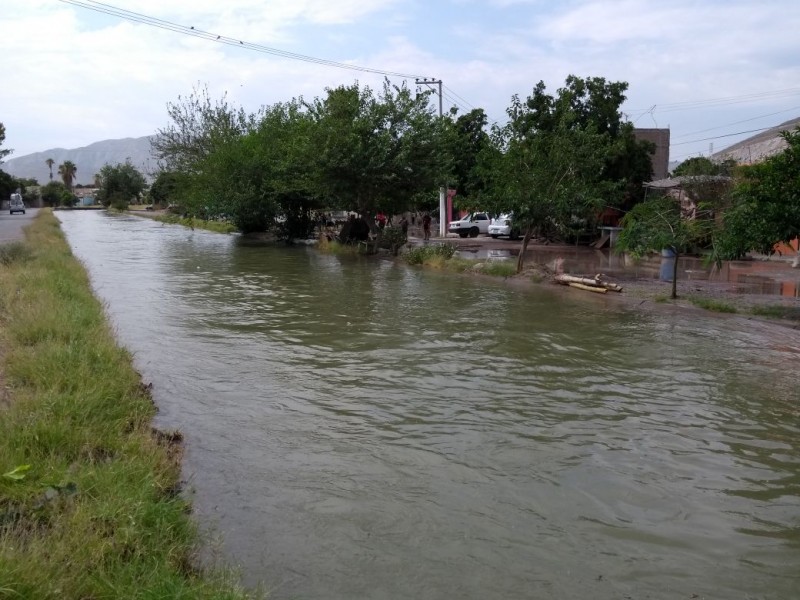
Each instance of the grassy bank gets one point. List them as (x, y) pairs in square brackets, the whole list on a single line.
[(215, 226), (89, 503), (440, 256)]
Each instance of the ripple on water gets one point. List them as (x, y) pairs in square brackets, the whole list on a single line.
[(362, 429)]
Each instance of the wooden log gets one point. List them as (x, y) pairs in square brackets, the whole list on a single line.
[(573, 279), (567, 279), (588, 288)]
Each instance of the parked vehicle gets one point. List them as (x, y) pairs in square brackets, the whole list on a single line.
[(504, 225), (16, 204), (471, 225)]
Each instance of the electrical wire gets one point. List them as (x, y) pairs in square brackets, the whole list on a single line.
[(143, 19), (221, 39), (722, 136), (793, 109), (714, 102)]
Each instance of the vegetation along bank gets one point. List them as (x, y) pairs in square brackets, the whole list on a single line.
[(89, 492)]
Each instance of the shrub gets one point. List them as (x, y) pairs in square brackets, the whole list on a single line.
[(713, 305), (14, 252), (431, 253)]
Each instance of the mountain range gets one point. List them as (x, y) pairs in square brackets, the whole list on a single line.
[(88, 160)]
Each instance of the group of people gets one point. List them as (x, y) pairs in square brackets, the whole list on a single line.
[(357, 228), (381, 221)]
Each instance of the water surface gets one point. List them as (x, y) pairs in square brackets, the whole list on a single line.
[(362, 429)]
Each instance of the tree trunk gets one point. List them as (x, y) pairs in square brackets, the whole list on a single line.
[(525, 240), (675, 275)]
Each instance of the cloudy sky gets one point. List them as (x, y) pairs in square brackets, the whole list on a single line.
[(709, 70)]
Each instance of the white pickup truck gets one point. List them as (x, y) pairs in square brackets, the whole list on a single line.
[(471, 225)]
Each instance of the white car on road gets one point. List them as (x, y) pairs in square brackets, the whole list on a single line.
[(471, 225), (504, 225), (16, 204)]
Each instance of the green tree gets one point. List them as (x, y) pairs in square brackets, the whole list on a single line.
[(659, 224), (253, 177), (50, 162), (55, 193), (198, 126), (8, 185), (700, 165), (164, 189), (7, 151), (765, 208), (67, 170), (550, 170), (376, 153), (468, 140), (119, 184)]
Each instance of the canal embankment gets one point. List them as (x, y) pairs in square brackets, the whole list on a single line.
[(90, 493)]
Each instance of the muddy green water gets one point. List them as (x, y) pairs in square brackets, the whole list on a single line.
[(363, 429)]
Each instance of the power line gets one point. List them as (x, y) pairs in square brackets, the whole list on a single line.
[(712, 102), (722, 136), (222, 39), (794, 108)]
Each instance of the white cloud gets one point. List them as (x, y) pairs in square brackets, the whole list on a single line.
[(72, 76)]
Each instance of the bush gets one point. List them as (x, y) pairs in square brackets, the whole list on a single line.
[(426, 254), (392, 239), (14, 252)]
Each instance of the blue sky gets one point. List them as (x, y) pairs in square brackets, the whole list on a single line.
[(73, 76)]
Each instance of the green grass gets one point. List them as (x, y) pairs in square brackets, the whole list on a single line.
[(440, 256), (216, 226), (13, 252), (89, 506), (712, 305), (333, 247), (433, 255), (777, 312)]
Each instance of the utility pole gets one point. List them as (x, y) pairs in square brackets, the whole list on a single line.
[(429, 82), (442, 189)]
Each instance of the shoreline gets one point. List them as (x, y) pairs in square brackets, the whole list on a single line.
[(652, 293), (91, 502)]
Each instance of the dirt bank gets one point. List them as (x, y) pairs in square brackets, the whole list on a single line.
[(642, 286)]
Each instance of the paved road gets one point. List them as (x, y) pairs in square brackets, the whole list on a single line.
[(11, 225)]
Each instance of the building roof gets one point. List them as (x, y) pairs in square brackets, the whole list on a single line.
[(758, 147), (676, 182)]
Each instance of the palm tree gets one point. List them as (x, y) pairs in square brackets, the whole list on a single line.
[(50, 162), (67, 171)]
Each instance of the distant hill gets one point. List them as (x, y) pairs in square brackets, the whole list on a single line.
[(758, 147), (89, 160)]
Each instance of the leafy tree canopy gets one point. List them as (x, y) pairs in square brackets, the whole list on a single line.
[(700, 165), (553, 155), (55, 193), (467, 141), (376, 152), (67, 170), (658, 224), (7, 151), (119, 184), (766, 205), (198, 126), (165, 187)]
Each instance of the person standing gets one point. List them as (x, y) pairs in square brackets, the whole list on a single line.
[(426, 226)]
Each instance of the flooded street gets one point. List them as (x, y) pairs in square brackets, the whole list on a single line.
[(362, 429), (774, 277)]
